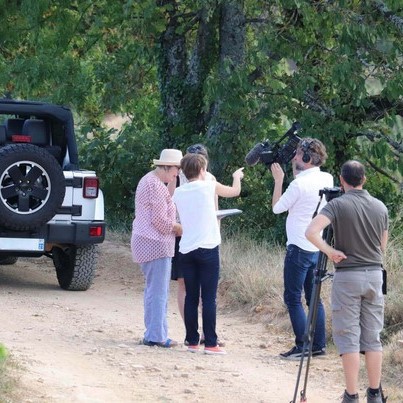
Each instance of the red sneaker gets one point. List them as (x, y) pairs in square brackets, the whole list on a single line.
[(214, 350), (193, 349)]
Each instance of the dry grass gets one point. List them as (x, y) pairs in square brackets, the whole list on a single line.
[(393, 299), (393, 348), (251, 279), (251, 272), (393, 360)]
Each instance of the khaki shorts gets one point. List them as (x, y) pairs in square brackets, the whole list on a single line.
[(357, 310)]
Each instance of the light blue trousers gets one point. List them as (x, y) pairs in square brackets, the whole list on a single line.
[(157, 276)]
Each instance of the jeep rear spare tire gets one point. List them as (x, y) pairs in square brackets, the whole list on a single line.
[(32, 186), (75, 266)]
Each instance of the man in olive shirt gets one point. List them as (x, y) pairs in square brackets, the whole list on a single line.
[(360, 226)]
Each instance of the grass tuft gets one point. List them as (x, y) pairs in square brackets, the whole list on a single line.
[(251, 272)]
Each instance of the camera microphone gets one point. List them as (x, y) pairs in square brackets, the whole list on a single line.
[(296, 127), (253, 156)]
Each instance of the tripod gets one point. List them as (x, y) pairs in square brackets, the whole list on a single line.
[(320, 276)]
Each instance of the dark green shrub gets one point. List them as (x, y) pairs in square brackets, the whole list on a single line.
[(120, 161)]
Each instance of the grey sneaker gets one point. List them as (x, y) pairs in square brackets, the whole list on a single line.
[(374, 398), (350, 399)]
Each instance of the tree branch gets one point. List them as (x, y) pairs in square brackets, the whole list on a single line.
[(256, 21), (379, 107), (311, 100), (395, 145), (381, 171), (394, 19)]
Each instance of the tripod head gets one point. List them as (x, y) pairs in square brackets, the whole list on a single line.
[(330, 193)]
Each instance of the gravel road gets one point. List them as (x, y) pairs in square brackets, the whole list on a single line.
[(85, 346)]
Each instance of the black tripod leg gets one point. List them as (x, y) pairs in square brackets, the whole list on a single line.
[(308, 337), (320, 275), (315, 300)]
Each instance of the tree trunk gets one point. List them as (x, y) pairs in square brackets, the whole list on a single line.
[(203, 57), (172, 72), (231, 56)]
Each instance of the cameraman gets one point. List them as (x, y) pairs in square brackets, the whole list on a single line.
[(360, 225), (300, 200)]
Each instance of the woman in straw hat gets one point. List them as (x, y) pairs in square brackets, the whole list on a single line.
[(153, 242)]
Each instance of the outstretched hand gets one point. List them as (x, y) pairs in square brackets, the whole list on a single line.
[(238, 173)]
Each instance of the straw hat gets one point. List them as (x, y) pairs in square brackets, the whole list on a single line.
[(169, 157)]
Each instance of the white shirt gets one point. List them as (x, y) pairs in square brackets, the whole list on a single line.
[(183, 179), (195, 202), (300, 200)]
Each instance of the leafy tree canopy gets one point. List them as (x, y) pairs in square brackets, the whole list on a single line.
[(228, 73)]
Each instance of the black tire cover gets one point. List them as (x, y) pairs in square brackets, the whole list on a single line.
[(32, 186)]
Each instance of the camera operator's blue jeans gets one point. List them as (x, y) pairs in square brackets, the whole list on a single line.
[(299, 270)]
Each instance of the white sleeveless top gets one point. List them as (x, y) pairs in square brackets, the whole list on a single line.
[(195, 202)]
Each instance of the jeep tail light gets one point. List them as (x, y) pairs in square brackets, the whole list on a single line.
[(96, 231), (90, 188)]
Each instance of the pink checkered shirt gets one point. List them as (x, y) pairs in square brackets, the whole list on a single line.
[(155, 216)]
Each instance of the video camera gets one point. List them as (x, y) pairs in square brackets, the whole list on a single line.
[(330, 193), (270, 153)]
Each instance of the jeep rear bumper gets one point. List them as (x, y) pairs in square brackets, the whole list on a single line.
[(76, 233)]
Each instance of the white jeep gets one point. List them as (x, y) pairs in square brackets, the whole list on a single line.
[(48, 206)]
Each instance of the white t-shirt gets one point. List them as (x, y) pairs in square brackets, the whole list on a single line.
[(300, 200), (183, 179), (195, 203)]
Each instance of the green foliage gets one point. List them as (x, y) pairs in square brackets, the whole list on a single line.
[(334, 66), (3, 353), (121, 159), (257, 219)]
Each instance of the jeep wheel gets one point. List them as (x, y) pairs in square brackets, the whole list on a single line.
[(75, 266), (6, 260), (32, 186)]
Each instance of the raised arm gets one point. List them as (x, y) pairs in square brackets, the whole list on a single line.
[(231, 191), (278, 176)]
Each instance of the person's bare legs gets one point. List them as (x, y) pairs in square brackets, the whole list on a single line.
[(373, 363), (351, 367), (181, 294)]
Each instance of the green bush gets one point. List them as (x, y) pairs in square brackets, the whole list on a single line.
[(3, 371), (120, 160), (3, 353)]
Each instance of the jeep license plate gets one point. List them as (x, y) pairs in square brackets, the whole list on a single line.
[(22, 244)]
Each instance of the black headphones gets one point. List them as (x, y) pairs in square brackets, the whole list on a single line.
[(306, 157)]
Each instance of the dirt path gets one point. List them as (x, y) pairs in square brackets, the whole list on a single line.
[(84, 346)]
